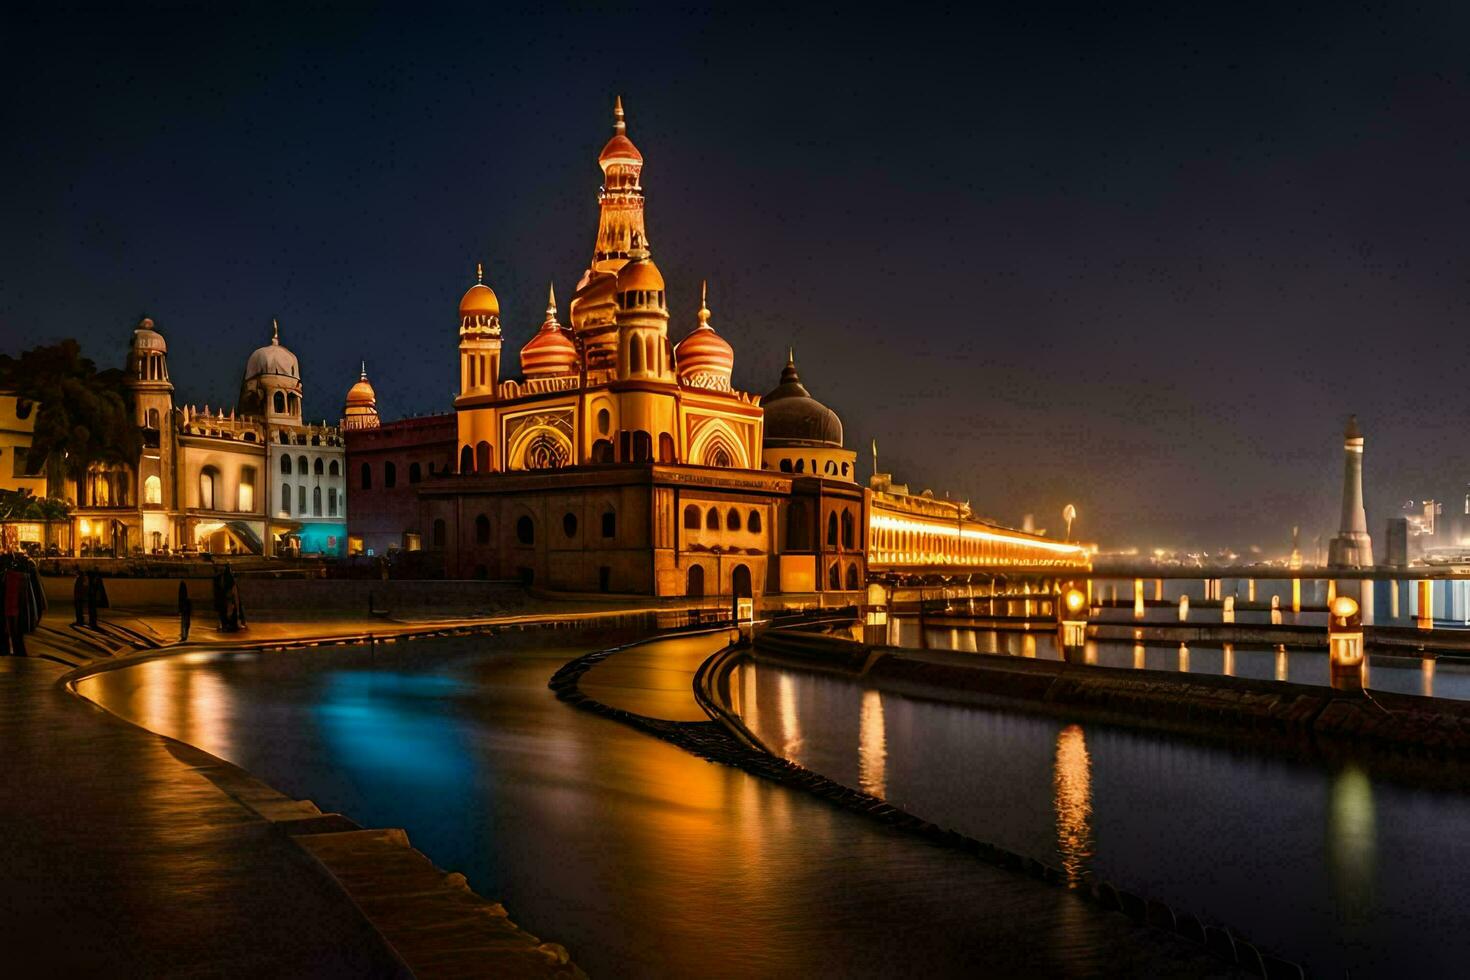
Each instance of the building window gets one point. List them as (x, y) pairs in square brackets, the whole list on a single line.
[(207, 477), (482, 457), (525, 530), (318, 466), (753, 523), (482, 530), (245, 492), (279, 403), (441, 533), (602, 451), (785, 465), (732, 519), (604, 421), (642, 446), (467, 460), (852, 578), (849, 533), (390, 475), (834, 579), (569, 525), (333, 470), (798, 527), (609, 524), (316, 501), (665, 448), (691, 517), (712, 520), (832, 529), (366, 482), (286, 499), (285, 465), (301, 465), (415, 473), (153, 490), (332, 501), (152, 418), (301, 500)]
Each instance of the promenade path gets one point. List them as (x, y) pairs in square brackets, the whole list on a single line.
[(118, 858)]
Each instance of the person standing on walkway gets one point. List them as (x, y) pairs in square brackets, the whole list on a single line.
[(79, 597), (186, 612)]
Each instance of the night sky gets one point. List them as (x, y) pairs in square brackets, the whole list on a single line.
[(1141, 261)]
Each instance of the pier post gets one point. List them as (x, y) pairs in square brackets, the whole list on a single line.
[(1158, 590), (1138, 598), (1296, 595), (1426, 605), (1184, 608), (1393, 601), (1250, 590), (1275, 610), (1227, 614)]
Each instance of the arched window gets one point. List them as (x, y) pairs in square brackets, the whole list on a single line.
[(293, 404), (318, 466), (691, 517), (721, 458), (441, 532), (331, 501), (390, 475), (801, 466), (482, 529), (852, 578), (602, 451), (834, 578), (316, 501), (285, 465), (333, 469), (152, 418), (366, 482), (245, 489), (604, 421), (740, 581), (642, 447), (849, 533), (301, 500), (753, 523), (482, 457), (569, 524), (207, 478), (609, 524), (694, 582), (279, 403), (832, 529), (153, 490), (466, 460), (525, 530), (785, 466), (665, 448), (301, 465), (712, 519), (286, 499), (415, 473), (635, 358), (732, 519)]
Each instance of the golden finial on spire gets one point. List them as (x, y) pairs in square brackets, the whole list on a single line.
[(620, 124), (275, 331), (364, 371), (791, 357), (704, 303), (479, 272), (551, 302)]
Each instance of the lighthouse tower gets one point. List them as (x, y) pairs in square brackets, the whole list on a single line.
[(1352, 547)]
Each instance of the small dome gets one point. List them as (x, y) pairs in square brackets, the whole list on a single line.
[(704, 352), (619, 149), (794, 418), (550, 351), (273, 359), (640, 274), (479, 300), (361, 395), (147, 338)]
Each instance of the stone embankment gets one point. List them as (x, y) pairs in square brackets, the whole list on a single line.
[(1193, 704)]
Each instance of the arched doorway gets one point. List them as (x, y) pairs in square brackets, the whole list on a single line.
[(740, 581), (694, 582)]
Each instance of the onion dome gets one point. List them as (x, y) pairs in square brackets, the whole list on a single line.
[(273, 358), (704, 353), (619, 149), (479, 307), (361, 411), (147, 338), (794, 418), (550, 351), (641, 275)]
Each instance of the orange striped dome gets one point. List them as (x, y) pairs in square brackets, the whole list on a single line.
[(549, 352), (704, 352)]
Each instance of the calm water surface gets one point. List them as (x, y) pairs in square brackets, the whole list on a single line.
[(640, 858), (1329, 866)]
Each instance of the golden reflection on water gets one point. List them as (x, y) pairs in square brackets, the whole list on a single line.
[(872, 746), (1183, 659), (1072, 781), (1028, 646), (790, 723), (1139, 659), (1281, 662), (1352, 839), (1228, 669), (1427, 676)]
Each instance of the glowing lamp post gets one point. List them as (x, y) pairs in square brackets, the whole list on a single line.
[(1072, 617), (1345, 644)]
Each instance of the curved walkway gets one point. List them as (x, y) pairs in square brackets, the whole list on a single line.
[(121, 859)]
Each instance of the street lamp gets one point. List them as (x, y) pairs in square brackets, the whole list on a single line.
[(1345, 644)]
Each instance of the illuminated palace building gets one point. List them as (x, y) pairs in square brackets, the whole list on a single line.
[(622, 461), (255, 479)]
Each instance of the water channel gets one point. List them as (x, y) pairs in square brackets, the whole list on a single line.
[(1332, 866), (639, 857)]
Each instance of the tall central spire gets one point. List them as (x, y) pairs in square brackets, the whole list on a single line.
[(621, 198)]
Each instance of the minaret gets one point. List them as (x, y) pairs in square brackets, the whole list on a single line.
[(1352, 548), (620, 201), (479, 339)]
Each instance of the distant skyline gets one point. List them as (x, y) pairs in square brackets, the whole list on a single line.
[(1146, 261)]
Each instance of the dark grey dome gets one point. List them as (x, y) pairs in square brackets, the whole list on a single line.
[(795, 418)]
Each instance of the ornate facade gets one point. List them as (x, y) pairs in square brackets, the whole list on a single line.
[(255, 479)]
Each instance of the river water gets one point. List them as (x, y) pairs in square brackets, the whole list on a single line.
[(1330, 866), (639, 857)]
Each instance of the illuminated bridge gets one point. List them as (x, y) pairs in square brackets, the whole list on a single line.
[(919, 536)]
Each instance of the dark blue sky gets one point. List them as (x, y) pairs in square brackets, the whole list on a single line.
[(1144, 260)]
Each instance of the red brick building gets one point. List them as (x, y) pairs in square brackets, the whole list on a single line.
[(385, 465)]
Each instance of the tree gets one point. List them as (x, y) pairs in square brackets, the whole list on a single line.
[(83, 415)]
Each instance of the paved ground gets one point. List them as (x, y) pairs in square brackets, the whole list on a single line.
[(119, 858)]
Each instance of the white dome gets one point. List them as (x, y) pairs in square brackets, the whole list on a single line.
[(146, 338), (273, 359)]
